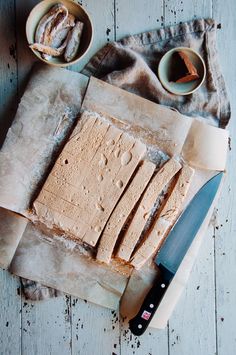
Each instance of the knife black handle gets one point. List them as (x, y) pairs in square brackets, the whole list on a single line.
[(140, 322)]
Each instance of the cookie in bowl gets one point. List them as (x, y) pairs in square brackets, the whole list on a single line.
[(181, 71), (59, 33)]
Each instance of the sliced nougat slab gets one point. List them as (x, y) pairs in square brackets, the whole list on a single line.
[(165, 220), (123, 209), (88, 177), (157, 184), (116, 176)]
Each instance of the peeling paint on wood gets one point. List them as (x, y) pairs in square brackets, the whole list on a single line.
[(8, 67), (225, 250), (46, 326), (94, 329)]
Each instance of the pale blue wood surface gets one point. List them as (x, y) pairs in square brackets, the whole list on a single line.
[(203, 321)]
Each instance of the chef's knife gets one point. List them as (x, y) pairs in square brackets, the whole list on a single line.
[(173, 251)]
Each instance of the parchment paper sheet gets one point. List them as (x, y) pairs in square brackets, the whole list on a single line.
[(61, 265), (201, 145), (46, 113), (12, 227), (58, 263)]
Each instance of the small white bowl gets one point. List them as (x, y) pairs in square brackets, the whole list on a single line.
[(181, 88), (75, 9)]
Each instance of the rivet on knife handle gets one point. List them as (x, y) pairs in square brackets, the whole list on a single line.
[(140, 322)]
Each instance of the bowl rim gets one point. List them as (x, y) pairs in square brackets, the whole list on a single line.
[(52, 63), (176, 92)]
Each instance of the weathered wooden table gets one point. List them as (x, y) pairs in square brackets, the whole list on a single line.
[(203, 321)]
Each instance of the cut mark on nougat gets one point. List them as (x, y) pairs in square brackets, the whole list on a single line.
[(165, 220), (123, 210), (157, 184)]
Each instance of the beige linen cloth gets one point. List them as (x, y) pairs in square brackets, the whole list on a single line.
[(131, 64)]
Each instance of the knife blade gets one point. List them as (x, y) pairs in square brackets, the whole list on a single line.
[(173, 251)]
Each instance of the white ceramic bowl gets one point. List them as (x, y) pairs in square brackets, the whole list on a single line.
[(75, 9), (181, 88)]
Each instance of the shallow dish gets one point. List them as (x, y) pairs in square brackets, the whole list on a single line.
[(75, 9), (181, 88)]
